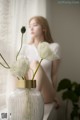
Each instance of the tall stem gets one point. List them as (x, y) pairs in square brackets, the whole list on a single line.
[(20, 47), (8, 67), (36, 69)]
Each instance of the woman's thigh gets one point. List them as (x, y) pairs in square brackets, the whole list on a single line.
[(43, 83)]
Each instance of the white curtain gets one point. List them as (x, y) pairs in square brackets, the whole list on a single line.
[(13, 15)]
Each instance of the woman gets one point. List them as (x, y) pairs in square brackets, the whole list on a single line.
[(47, 74)]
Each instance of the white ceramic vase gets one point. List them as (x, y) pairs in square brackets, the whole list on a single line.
[(25, 103)]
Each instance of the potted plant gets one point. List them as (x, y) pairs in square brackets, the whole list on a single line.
[(70, 92)]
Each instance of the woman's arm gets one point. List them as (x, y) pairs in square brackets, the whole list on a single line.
[(54, 72)]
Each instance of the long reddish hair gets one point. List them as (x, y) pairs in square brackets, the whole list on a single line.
[(45, 26)]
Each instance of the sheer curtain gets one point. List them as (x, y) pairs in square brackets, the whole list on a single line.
[(13, 15), (4, 47)]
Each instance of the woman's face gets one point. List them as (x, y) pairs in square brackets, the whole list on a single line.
[(35, 29)]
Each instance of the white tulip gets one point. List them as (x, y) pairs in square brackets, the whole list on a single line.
[(46, 52)]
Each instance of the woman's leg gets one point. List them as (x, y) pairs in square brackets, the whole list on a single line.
[(43, 83)]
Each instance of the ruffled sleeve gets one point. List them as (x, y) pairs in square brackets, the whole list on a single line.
[(55, 47)]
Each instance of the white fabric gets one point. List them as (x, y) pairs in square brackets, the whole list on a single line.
[(4, 47), (30, 51), (50, 113)]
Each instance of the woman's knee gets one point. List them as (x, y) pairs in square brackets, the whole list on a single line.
[(34, 64)]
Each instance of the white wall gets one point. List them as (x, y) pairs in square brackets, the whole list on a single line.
[(64, 20)]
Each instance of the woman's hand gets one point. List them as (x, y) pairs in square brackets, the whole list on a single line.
[(57, 103)]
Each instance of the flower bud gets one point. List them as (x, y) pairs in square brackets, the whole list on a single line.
[(23, 29)]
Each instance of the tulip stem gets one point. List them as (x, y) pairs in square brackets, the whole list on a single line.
[(20, 47), (8, 67), (36, 69)]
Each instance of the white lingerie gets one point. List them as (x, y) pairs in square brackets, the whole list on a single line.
[(30, 51)]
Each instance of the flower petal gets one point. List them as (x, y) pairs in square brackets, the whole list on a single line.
[(20, 67), (46, 52)]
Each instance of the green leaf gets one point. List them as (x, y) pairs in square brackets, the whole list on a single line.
[(64, 84), (76, 106), (70, 95), (65, 95), (77, 90)]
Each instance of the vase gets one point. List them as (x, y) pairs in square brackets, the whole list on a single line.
[(26, 103)]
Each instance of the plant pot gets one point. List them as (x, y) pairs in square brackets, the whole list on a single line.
[(26, 103)]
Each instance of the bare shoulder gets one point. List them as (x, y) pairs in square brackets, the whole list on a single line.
[(30, 42)]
